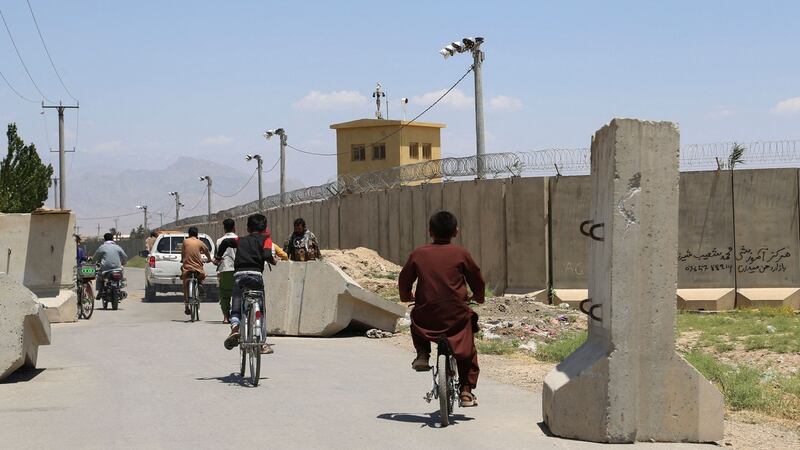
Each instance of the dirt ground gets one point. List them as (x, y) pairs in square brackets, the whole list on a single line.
[(531, 323), (368, 269)]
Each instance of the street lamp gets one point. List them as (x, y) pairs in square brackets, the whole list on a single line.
[(144, 209), (282, 133), (207, 179), (260, 163), (473, 45), (178, 205)]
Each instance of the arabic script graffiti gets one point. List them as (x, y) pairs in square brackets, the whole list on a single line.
[(748, 260)]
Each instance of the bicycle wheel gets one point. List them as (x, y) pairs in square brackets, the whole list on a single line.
[(441, 386), (87, 302), (80, 301), (452, 387), (255, 350)]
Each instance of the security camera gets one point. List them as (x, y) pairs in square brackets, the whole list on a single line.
[(444, 53), (269, 133), (279, 131), (458, 46), (451, 49), (469, 43), (248, 157), (404, 100)]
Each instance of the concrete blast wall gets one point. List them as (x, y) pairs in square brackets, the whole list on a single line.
[(524, 232), (38, 251)]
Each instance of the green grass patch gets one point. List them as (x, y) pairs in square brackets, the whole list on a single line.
[(496, 346), (556, 351), (750, 388), (137, 262), (773, 329)]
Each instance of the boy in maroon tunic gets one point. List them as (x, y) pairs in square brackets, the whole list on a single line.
[(442, 272)]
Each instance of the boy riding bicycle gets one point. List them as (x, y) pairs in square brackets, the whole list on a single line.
[(252, 253), (442, 272)]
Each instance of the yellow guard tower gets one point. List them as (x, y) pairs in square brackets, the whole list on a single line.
[(366, 145)]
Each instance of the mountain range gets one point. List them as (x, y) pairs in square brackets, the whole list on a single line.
[(96, 194)]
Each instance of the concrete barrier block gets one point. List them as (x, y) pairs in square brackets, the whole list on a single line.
[(316, 298), (769, 297), (62, 307), (711, 299), (23, 326), (627, 383), (572, 297)]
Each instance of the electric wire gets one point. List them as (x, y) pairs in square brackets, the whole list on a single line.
[(383, 139), (202, 196), (109, 217), (19, 55), (240, 189), (14, 90), (35, 22)]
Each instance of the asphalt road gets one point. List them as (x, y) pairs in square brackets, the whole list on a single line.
[(143, 377)]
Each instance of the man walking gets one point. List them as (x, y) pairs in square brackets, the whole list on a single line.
[(302, 244), (225, 270)]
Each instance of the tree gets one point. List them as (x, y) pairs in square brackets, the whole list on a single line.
[(138, 233), (24, 180)]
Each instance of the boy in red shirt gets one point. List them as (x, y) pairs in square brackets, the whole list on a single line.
[(442, 272)]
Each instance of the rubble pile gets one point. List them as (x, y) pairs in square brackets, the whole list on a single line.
[(368, 269), (526, 320)]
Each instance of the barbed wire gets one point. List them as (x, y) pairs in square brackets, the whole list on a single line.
[(548, 162)]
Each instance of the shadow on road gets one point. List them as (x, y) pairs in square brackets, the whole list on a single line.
[(234, 379), (427, 420), (22, 375), (176, 298)]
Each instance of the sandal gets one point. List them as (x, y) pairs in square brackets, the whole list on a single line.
[(467, 399)]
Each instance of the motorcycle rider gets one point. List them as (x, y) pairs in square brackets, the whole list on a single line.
[(110, 256)]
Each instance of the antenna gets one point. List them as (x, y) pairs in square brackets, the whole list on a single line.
[(377, 96)]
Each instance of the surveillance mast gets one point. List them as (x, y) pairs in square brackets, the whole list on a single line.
[(377, 95)]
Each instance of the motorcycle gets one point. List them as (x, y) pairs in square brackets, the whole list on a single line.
[(112, 292)]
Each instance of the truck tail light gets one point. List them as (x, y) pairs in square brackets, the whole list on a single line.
[(151, 261)]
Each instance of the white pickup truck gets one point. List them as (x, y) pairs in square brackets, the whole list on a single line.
[(163, 271)]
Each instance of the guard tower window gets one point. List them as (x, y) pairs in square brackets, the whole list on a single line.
[(413, 150), (379, 151), (359, 152), (426, 151)]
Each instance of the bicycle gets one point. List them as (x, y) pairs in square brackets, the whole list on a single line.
[(252, 334), (194, 296), (445, 381), (83, 283)]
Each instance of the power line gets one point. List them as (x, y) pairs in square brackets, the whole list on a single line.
[(14, 90), (383, 139), (109, 217), (48, 52), (240, 189), (198, 202), (19, 55)]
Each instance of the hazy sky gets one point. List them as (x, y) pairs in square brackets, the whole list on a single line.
[(161, 79)]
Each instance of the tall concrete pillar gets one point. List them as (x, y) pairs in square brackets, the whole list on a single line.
[(627, 383)]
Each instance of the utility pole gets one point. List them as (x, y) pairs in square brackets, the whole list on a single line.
[(98, 229), (161, 217), (260, 169), (282, 133), (55, 193), (116, 226), (143, 208), (473, 45), (477, 55), (178, 205), (207, 179), (62, 164)]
